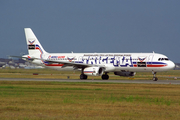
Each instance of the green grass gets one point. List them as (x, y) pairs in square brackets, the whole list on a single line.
[(28, 100), (32, 100), (54, 74)]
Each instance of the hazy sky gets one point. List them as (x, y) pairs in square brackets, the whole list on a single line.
[(92, 26)]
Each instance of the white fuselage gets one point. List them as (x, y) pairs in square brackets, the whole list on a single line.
[(113, 62)]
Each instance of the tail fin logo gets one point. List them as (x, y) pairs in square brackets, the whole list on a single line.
[(31, 41)]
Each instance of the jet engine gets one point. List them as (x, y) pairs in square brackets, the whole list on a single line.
[(93, 71), (126, 74)]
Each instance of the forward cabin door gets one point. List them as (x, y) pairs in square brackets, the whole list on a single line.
[(150, 60)]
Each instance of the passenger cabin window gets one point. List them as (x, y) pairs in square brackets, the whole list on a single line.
[(163, 59)]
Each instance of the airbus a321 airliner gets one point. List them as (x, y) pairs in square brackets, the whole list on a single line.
[(96, 64)]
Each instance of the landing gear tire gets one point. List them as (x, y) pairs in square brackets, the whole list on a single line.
[(155, 78), (83, 77), (105, 77)]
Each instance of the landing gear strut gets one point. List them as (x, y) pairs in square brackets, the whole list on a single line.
[(154, 76), (105, 76), (83, 76)]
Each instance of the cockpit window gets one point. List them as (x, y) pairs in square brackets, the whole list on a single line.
[(163, 59)]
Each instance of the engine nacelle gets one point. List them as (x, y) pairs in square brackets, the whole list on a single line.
[(93, 71), (126, 74)]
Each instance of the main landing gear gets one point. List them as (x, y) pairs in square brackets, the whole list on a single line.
[(154, 76), (83, 77), (105, 76)]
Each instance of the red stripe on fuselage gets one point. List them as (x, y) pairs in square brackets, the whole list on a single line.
[(59, 65), (151, 65), (156, 65), (135, 65)]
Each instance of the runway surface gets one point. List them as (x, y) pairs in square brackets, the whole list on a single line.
[(101, 81)]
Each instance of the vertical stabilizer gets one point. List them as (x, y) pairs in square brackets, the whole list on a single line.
[(33, 45)]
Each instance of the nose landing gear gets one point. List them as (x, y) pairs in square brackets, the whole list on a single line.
[(154, 76)]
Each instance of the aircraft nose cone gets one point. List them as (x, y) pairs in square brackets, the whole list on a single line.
[(171, 65)]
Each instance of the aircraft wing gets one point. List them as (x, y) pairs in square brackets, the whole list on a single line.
[(72, 63), (65, 63)]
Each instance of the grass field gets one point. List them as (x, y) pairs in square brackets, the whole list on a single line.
[(54, 101), (54, 74), (28, 100)]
